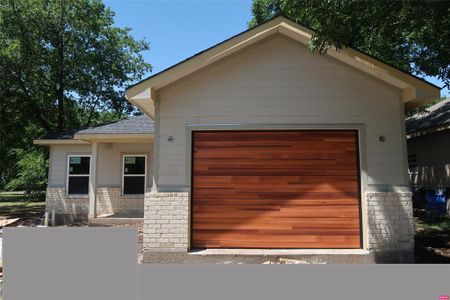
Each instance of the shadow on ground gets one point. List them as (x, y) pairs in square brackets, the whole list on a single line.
[(432, 238)]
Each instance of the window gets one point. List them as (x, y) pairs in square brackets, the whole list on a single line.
[(412, 164), (78, 174), (134, 174)]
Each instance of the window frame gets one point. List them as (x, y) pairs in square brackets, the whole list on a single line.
[(133, 175), (412, 164), (77, 175)]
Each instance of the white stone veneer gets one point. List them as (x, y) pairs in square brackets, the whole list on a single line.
[(166, 222)]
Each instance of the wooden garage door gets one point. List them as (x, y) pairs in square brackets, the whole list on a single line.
[(275, 189)]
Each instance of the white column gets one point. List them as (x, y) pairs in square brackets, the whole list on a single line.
[(93, 181)]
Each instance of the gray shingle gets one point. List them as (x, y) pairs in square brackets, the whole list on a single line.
[(139, 124), (436, 115)]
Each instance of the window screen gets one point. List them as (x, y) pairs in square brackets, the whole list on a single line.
[(78, 175), (134, 174)]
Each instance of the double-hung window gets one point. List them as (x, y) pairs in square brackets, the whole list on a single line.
[(78, 170), (134, 174)]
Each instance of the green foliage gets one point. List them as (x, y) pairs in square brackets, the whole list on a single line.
[(411, 35), (32, 171), (422, 109), (59, 56), (63, 65)]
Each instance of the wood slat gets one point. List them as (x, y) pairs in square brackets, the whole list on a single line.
[(275, 189)]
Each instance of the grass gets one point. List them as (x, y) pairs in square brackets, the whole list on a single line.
[(20, 205), (434, 223)]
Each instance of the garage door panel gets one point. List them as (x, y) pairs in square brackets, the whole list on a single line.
[(232, 180), (303, 212), (230, 194), (273, 172), (275, 189), (314, 242), (342, 221)]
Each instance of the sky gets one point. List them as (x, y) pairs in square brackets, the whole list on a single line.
[(179, 29)]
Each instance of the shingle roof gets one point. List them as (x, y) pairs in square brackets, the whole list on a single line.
[(68, 135), (140, 124), (434, 116)]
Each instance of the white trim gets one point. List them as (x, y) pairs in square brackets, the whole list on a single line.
[(76, 175), (133, 175)]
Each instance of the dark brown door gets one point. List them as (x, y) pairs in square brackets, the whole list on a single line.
[(275, 189)]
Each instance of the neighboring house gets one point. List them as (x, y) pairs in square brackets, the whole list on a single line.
[(428, 138), (258, 143), (428, 135)]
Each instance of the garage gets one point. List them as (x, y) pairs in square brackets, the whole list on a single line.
[(275, 189)]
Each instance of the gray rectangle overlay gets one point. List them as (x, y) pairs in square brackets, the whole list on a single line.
[(101, 263), (70, 263)]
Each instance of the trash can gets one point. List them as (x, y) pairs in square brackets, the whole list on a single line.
[(436, 203)]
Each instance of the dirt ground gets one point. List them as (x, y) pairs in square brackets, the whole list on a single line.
[(432, 238)]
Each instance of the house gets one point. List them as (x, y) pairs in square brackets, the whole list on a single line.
[(428, 140), (109, 162), (257, 143)]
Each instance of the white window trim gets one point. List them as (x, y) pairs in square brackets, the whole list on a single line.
[(133, 175), (77, 175)]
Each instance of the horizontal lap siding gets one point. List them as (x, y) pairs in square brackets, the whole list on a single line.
[(109, 162), (284, 189), (277, 81), (57, 174)]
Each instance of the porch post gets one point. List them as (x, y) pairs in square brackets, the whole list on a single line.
[(93, 181)]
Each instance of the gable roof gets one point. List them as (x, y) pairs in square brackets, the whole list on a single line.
[(435, 118), (133, 126), (415, 91)]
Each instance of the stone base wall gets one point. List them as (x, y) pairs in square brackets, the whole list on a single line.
[(166, 224), (68, 209), (389, 218), (390, 226), (110, 201)]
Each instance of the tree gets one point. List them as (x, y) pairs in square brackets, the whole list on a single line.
[(32, 172), (63, 65), (57, 56), (411, 35)]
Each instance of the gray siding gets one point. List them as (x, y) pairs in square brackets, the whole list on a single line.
[(433, 159), (58, 162), (278, 81), (109, 162)]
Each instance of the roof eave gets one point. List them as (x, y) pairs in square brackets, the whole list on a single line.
[(48, 142), (115, 137), (429, 130)]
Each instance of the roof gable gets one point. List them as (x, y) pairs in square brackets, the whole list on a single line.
[(415, 90)]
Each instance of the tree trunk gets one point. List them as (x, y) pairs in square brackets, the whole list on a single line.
[(60, 80)]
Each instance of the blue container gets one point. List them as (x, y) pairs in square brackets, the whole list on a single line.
[(436, 202)]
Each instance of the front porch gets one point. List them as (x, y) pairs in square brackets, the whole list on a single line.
[(105, 181)]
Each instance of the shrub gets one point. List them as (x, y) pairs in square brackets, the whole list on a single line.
[(32, 172)]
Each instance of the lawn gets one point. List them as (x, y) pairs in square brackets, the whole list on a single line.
[(18, 205), (432, 238)]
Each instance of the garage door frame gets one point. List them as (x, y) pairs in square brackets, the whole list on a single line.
[(361, 156)]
